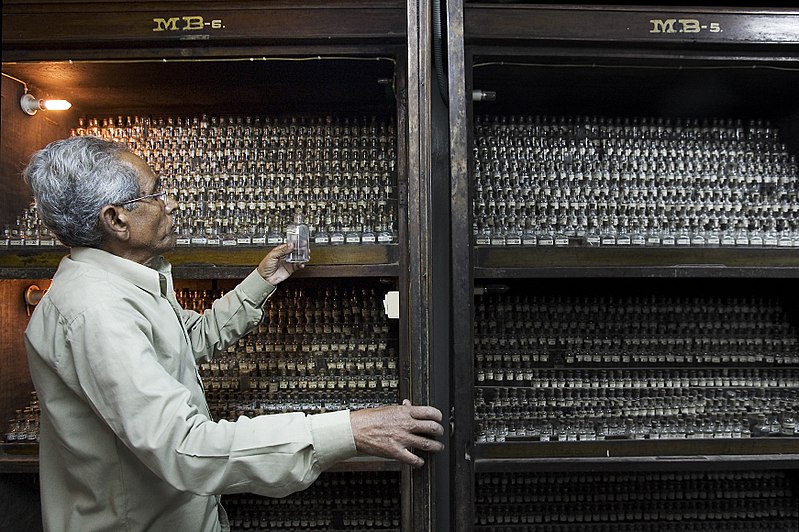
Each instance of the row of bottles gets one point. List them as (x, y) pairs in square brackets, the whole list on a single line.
[(317, 350), (24, 426), (591, 367), (336, 502), (240, 181), (552, 414), (595, 181), (740, 501), (506, 370), (523, 331)]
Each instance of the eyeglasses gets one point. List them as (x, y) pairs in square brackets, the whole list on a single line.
[(158, 195)]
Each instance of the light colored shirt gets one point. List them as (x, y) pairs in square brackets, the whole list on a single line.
[(126, 440)]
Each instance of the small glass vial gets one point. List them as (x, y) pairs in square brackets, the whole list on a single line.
[(297, 233)]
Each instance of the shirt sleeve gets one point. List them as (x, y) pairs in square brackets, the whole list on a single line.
[(154, 416), (229, 318)]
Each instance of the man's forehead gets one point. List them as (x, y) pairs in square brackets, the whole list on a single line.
[(138, 163)]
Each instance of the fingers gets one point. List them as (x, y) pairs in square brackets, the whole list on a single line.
[(427, 421), (409, 458), (423, 412), (274, 267), (432, 428), (281, 250), (426, 444)]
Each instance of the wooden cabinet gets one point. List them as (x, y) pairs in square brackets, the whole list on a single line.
[(549, 311), (294, 69), (493, 329)]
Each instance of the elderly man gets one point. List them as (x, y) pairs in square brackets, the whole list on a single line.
[(127, 442)]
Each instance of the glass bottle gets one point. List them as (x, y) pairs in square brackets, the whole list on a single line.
[(298, 235)]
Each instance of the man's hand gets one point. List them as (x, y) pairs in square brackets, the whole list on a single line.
[(274, 268), (391, 431)]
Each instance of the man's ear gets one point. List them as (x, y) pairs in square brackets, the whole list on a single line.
[(115, 222)]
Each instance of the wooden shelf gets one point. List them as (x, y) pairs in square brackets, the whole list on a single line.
[(747, 453), (225, 263), (628, 261)]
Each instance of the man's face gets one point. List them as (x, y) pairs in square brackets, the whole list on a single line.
[(151, 232)]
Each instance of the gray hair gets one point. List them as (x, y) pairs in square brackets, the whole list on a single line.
[(73, 179)]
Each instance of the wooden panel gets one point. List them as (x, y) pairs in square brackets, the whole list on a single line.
[(499, 262), (650, 24), (611, 449), (15, 385), (218, 86), (88, 25), (19, 503)]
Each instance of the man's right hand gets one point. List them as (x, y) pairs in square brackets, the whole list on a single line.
[(392, 431)]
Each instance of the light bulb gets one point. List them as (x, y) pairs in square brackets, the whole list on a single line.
[(54, 105), (31, 105)]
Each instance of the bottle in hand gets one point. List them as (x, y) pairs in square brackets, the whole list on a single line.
[(297, 233)]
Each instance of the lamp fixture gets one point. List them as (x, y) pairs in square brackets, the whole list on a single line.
[(31, 105)]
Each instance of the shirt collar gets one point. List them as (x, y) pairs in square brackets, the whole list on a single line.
[(150, 278)]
